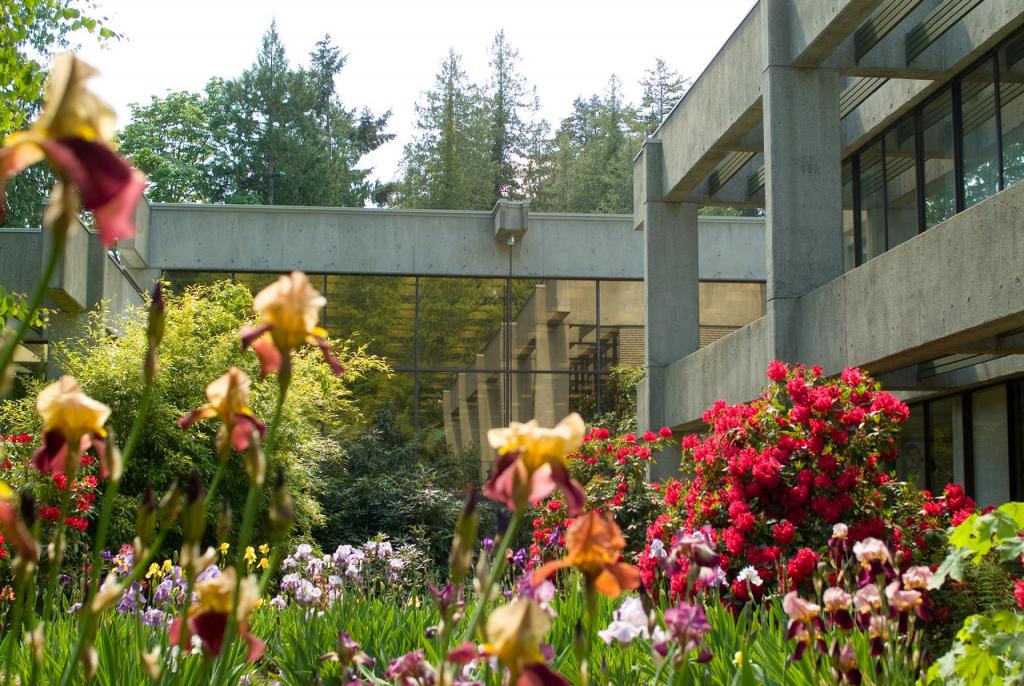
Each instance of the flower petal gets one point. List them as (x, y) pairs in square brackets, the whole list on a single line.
[(539, 674), (574, 495), (210, 627), (51, 454), (329, 357), (547, 569)]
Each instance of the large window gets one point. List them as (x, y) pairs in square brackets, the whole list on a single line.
[(974, 437), (471, 354), (958, 148)]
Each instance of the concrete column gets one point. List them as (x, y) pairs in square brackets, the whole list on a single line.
[(671, 294), (803, 183)]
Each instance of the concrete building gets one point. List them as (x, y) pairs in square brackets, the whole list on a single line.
[(885, 141), (504, 314)]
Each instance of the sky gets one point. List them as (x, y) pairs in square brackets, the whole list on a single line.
[(568, 48)]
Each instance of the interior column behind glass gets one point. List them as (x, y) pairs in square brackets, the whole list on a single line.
[(980, 138), (872, 202), (939, 167), (990, 436)]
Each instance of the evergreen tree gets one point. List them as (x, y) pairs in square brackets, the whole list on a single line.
[(447, 165), (511, 105), (589, 164), (663, 88), (274, 135)]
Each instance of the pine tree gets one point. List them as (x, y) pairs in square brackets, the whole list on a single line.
[(447, 165), (511, 104), (663, 88)]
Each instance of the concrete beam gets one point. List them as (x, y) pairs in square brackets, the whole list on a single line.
[(425, 242), (983, 372), (817, 27), (978, 31), (721, 107), (874, 316), (67, 289)]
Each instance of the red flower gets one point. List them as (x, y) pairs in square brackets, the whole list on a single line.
[(49, 512), (665, 432), (1018, 592), (783, 533), (777, 370), (801, 565)]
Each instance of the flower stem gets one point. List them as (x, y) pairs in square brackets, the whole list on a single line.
[(496, 571), (35, 301), (14, 633), (54, 563)]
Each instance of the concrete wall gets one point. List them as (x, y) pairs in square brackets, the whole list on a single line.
[(900, 308)]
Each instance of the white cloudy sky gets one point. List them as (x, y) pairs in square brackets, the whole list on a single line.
[(567, 47)]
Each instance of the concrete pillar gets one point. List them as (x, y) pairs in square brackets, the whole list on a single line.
[(64, 329), (803, 178), (671, 294)]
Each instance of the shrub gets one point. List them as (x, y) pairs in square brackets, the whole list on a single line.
[(200, 344), (409, 488), (770, 480)]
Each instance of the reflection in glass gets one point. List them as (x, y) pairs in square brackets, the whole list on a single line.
[(467, 404), (459, 319), (378, 311), (179, 280), (901, 182), (939, 168), (980, 143), (726, 306), (622, 324), (990, 436), (910, 455), (849, 256), (872, 202), (1011, 100), (555, 327), (941, 447), (257, 281), (549, 397)]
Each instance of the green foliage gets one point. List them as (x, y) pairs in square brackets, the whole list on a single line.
[(201, 343), (588, 167), (978, 535), (448, 164), (275, 135), (409, 488), (171, 141), (988, 650), (618, 400), (14, 305)]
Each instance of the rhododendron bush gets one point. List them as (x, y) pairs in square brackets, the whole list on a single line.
[(774, 480)]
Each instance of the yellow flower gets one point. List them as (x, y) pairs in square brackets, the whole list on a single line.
[(289, 310), (229, 401), (515, 632), (250, 554), (264, 549), (737, 659), (531, 463), (167, 566), (217, 595), (74, 133), (70, 418), (154, 570), (223, 548), (264, 563)]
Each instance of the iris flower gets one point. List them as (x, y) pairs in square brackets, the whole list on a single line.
[(14, 526), (515, 632), (229, 400), (531, 463), (72, 421), (594, 544), (74, 134), (208, 618), (289, 310)]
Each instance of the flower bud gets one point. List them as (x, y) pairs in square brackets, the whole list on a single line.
[(145, 518), (464, 541), (193, 520), (170, 505), (255, 461), (151, 663), (154, 331), (111, 462), (282, 507), (224, 522)]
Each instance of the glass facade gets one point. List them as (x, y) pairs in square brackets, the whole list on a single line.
[(470, 354), (974, 437), (962, 145)]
